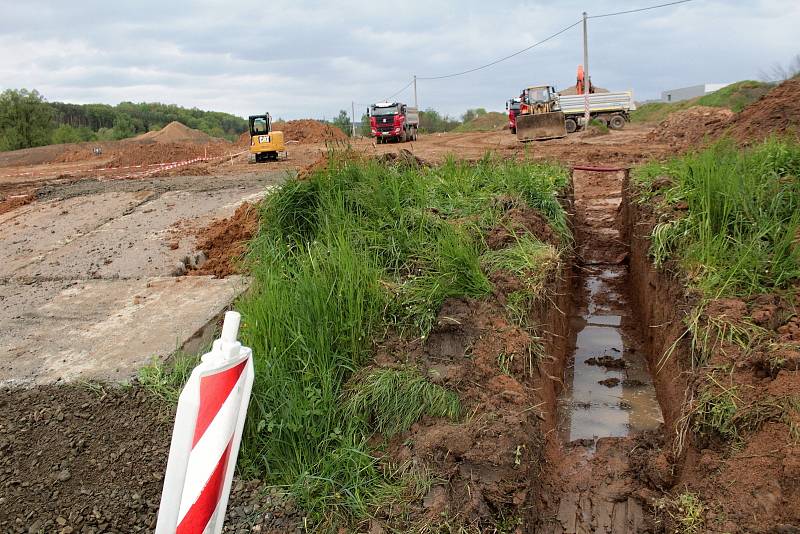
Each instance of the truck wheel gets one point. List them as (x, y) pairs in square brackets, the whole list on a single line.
[(617, 122), (513, 131), (570, 125), (415, 135)]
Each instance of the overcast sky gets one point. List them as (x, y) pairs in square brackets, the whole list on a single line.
[(312, 58)]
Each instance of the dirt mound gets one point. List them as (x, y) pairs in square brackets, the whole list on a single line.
[(176, 132), (689, 127), (225, 241), (309, 131), (243, 140), (152, 153), (777, 112)]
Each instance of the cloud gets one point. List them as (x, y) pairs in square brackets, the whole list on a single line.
[(310, 59)]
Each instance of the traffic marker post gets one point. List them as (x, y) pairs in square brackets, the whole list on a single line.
[(206, 437)]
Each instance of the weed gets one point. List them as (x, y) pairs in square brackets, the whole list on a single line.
[(391, 400), (686, 511), (165, 380), (737, 235)]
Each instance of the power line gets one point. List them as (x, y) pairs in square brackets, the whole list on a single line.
[(638, 10), (495, 62), (400, 91)]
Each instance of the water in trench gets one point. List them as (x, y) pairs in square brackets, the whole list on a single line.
[(608, 390)]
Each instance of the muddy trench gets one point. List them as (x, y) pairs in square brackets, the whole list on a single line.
[(612, 407)]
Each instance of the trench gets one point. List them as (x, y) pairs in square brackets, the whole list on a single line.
[(605, 398)]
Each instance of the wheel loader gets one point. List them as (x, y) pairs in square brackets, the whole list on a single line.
[(265, 144), (539, 118)]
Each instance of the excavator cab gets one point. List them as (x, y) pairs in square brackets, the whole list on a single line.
[(539, 118), (265, 144)]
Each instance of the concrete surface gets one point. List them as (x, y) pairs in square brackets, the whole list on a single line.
[(86, 285)]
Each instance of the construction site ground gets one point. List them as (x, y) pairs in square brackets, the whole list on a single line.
[(93, 286)]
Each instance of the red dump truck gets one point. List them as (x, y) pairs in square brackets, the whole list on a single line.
[(512, 106), (393, 121)]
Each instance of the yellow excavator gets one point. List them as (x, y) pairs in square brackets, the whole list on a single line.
[(265, 144), (538, 119)]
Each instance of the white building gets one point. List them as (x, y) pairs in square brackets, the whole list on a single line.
[(685, 93)]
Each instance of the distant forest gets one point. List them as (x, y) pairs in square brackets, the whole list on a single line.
[(28, 120)]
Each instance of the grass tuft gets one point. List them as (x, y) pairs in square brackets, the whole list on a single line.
[(391, 400)]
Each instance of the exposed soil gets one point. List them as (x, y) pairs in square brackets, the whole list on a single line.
[(91, 458), (777, 112), (691, 127), (224, 242), (749, 484), (309, 131), (175, 132)]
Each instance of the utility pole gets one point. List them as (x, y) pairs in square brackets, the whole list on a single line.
[(353, 115), (586, 83), (415, 92)]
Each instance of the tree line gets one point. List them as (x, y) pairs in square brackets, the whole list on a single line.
[(28, 120)]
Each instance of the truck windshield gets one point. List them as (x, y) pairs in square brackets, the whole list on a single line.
[(514, 106), (378, 112)]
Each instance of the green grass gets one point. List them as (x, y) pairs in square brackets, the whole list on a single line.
[(491, 121), (686, 510), (738, 234), (166, 380), (734, 97), (341, 257), (391, 400)]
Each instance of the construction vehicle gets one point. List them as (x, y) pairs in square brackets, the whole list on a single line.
[(512, 107), (265, 144), (543, 109), (539, 115), (393, 121)]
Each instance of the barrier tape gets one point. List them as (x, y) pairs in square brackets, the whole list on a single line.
[(161, 166)]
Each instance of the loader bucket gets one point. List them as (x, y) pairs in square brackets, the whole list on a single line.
[(541, 126)]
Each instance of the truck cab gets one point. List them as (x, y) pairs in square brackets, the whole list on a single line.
[(265, 144), (393, 121)]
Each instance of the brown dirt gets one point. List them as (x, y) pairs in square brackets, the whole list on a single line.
[(309, 131), (165, 152), (176, 132), (225, 241), (777, 112), (691, 127), (517, 221), (750, 487), (12, 202), (92, 459)]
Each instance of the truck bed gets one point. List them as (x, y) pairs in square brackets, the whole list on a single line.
[(598, 103)]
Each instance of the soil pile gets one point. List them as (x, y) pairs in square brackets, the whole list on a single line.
[(175, 132), (243, 140), (225, 241), (309, 131), (153, 153), (689, 127), (777, 112)]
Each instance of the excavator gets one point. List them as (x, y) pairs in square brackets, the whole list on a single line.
[(265, 144)]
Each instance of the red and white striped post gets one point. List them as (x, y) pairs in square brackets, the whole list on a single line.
[(205, 441)]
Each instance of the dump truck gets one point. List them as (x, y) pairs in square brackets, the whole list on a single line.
[(393, 121), (265, 144), (545, 114), (512, 107)]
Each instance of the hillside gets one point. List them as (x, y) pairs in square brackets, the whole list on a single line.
[(488, 122), (734, 97)]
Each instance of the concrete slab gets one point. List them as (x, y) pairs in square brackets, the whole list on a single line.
[(30, 233), (138, 243), (103, 329)]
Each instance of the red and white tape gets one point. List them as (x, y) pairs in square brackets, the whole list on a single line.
[(205, 441), (158, 166)]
